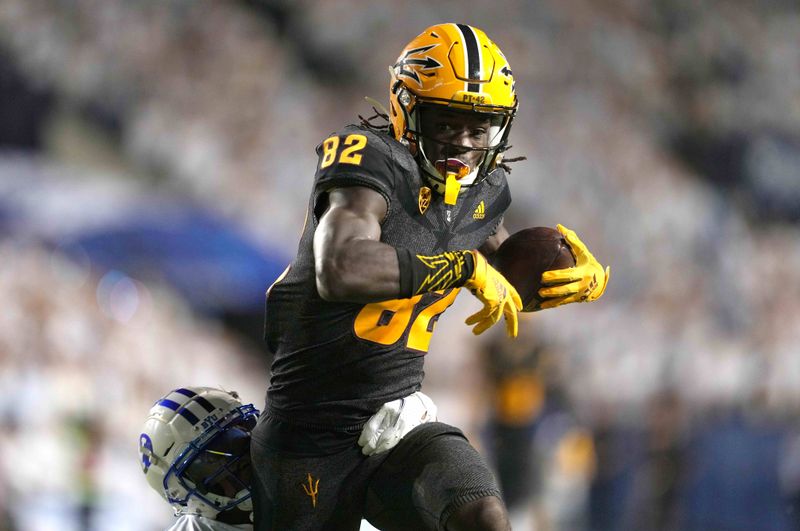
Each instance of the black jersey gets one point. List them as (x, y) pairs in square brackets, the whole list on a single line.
[(336, 363)]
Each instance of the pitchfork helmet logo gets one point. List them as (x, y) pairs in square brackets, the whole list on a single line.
[(412, 63)]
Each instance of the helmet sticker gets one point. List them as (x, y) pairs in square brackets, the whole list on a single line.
[(410, 65), (146, 448)]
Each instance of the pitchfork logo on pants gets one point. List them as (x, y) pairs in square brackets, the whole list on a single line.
[(311, 489)]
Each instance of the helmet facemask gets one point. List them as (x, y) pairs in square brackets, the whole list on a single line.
[(223, 467), (214, 469)]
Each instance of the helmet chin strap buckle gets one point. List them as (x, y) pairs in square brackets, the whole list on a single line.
[(453, 170)]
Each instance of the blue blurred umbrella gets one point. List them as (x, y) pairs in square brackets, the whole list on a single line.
[(208, 260)]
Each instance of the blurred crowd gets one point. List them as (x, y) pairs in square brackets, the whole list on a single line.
[(81, 359), (667, 134)]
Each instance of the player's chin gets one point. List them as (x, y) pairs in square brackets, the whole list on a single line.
[(472, 161)]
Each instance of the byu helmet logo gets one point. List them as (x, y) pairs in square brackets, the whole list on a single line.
[(147, 444)]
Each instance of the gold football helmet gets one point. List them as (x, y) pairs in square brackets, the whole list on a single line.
[(458, 68)]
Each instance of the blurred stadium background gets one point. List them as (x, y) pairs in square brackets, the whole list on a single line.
[(155, 161)]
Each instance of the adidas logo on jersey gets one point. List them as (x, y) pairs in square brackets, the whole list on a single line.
[(480, 211)]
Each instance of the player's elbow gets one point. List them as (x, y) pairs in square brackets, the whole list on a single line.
[(331, 277), (327, 289)]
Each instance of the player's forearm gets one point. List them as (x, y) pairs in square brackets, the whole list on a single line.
[(425, 273), (362, 271), (368, 271)]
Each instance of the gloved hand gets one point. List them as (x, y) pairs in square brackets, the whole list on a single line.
[(394, 420), (585, 282), (498, 296)]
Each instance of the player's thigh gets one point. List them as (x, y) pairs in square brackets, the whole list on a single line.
[(432, 472), (307, 493)]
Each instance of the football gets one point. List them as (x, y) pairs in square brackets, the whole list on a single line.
[(525, 255)]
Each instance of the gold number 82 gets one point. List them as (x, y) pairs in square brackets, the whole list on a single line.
[(349, 155), (386, 322)]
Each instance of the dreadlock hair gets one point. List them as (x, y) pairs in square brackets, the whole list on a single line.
[(370, 124), (505, 163)]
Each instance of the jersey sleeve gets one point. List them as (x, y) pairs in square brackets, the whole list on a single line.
[(355, 157)]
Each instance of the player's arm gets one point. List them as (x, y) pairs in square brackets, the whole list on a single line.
[(351, 262)]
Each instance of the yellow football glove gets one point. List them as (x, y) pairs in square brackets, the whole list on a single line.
[(499, 298), (585, 282)]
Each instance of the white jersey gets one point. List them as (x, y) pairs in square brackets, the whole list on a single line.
[(193, 522)]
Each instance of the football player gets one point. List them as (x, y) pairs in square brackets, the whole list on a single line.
[(195, 452), (399, 219)]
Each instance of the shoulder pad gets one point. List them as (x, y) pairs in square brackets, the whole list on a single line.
[(357, 156), (497, 177)]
